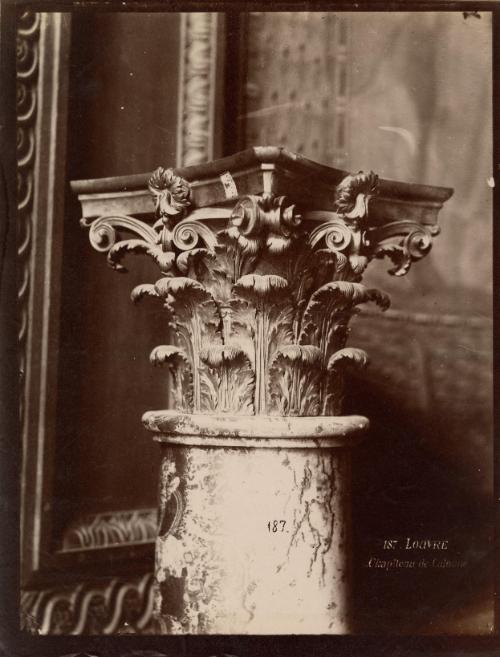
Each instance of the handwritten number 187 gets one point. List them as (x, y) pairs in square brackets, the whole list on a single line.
[(274, 526)]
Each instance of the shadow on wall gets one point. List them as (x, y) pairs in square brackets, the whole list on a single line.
[(424, 472)]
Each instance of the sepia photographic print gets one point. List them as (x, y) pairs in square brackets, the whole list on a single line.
[(247, 326)]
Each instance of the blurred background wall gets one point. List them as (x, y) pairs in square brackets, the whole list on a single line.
[(406, 94)]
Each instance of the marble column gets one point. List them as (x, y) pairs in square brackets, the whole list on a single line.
[(255, 526), (261, 258)]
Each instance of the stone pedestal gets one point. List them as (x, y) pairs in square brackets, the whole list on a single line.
[(261, 258), (254, 533)]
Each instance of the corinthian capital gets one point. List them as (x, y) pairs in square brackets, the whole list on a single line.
[(260, 289)]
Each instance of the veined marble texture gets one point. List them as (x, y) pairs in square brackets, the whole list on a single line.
[(253, 541)]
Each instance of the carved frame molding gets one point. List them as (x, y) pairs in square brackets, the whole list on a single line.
[(111, 529), (201, 57), (117, 606), (42, 44), (42, 80), (27, 70), (42, 77)]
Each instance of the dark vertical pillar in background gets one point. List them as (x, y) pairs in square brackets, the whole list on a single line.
[(123, 113), (122, 120)]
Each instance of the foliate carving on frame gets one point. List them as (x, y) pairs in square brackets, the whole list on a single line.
[(112, 529), (260, 307), (119, 606), (197, 88)]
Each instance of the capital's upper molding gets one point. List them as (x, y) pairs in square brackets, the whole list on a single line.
[(264, 169)]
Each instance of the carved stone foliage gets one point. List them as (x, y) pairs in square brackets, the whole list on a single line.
[(260, 303), (348, 234)]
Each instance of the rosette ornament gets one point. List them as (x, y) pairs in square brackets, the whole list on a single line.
[(259, 227), (264, 222), (353, 195), (171, 193)]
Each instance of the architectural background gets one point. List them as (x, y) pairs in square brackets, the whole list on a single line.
[(405, 94)]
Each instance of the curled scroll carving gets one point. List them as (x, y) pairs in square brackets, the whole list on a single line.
[(264, 222), (344, 233), (416, 243), (103, 234), (186, 235), (348, 243), (165, 239), (348, 234)]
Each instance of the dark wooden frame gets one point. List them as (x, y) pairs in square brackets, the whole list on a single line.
[(42, 262)]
